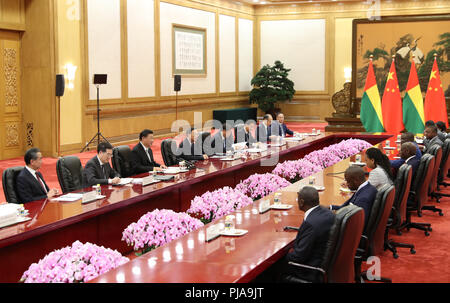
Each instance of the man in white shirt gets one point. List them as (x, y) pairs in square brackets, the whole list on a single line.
[(142, 155), (30, 184), (284, 129), (222, 140), (98, 170), (267, 129), (187, 149), (365, 193)]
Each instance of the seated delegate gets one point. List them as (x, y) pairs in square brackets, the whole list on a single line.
[(30, 184), (98, 170)]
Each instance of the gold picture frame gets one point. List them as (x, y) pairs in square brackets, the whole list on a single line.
[(189, 51), (402, 37)]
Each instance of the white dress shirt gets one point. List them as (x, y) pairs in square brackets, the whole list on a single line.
[(361, 186), (33, 172), (146, 151), (101, 165)]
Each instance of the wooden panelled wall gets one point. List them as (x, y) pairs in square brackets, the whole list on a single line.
[(12, 23), (41, 36)]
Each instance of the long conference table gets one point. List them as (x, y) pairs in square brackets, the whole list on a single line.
[(55, 225)]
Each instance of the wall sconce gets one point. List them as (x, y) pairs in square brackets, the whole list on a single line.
[(70, 75), (348, 74)]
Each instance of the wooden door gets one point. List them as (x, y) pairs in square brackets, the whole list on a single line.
[(11, 135)]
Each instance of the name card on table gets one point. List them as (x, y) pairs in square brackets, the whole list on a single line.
[(89, 196), (213, 232), (148, 180), (264, 205)]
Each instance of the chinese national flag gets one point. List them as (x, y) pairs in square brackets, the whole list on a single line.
[(435, 108), (392, 104)]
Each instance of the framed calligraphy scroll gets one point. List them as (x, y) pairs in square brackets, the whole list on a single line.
[(189, 51)]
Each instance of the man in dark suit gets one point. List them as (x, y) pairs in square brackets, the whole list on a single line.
[(284, 129), (408, 155), (267, 129), (407, 152), (222, 141), (188, 150), (406, 137), (310, 243), (98, 170), (30, 184), (425, 139), (442, 130), (142, 156), (430, 134), (244, 133), (365, 193)]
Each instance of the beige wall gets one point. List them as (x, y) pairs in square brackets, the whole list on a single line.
[(69, 52), (141, 95), (338, 40), (57, 32)]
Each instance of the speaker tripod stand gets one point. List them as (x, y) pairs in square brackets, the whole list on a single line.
[(98, 134)]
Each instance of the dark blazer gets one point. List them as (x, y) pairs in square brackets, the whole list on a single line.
[(429, 143), (187, 151), (242, 136), (93, 172), (29, 188), (311, 241), (363, 198), (399, 162), (263, 134), (414, 162), (219, 145), (286, 130), (140, 163)]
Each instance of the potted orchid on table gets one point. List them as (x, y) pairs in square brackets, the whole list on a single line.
[(77, 263), (296, 170), (157, 228), (258, 186), (213, 205)]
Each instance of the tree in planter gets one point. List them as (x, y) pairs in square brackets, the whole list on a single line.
[(271, 85)]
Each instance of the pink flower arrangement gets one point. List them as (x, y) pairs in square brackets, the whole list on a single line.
[(157, 228), (258, 186), (319, 159), (324, 157), (296, 170), (214, 205), (73, 264), (353, 146)]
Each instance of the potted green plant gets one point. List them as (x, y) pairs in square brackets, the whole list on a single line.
[(270, 86)]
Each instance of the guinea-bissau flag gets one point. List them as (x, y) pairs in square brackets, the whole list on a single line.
[(413, 113), (392, 103), (435, 108), (370, 114)]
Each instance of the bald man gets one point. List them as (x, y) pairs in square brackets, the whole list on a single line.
[(406, 137), (365, 192)]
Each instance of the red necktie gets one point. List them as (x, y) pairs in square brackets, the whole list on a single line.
[(40, 182)]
